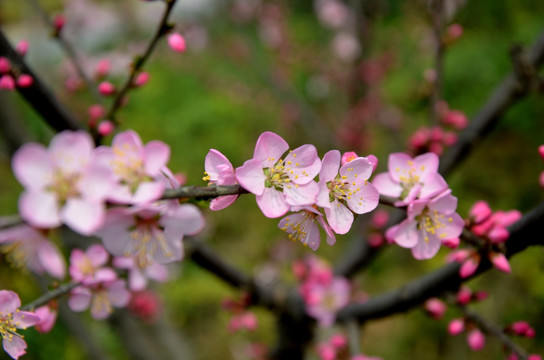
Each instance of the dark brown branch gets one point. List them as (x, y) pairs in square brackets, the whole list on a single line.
[(513, 87), (139, 62), (50, 295), (39, 96), (524, 233), (203, 192)]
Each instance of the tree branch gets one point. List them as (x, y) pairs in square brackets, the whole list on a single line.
[(50, 295), (38, 95)]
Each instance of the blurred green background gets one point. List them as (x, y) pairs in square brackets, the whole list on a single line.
[(253, 66)]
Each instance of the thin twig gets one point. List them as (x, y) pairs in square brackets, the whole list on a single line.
[(50, 295), (139, 61)]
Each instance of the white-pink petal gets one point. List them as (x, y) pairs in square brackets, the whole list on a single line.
[(386, 186), (329, 166), (85, 217), (301, 194), (156, 157), (251, 176), (272, 203), (51, 259), (32, 166), (39, 209), (340, 218), (222, 202), (269, 148)]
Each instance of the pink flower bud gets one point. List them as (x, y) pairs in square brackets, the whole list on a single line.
[(380, 218), (480, 295), (145, 304), (455, 118), (534, 357), (58, 22), (469, 267), (500, 262), (520, 327), (22, 47), (464, 296), (449, 138), (436, 134), (106, 88), (456, 326), (436, 148), (458, 256), (105, 128), (476, 340), (102, 68), (541, 151), (47, 316), (7, 83), (419, 138), (498, 235), (530, 333), (299, 269), (455, 31), (176, 42), (5, 66), (480, 212), (141, 79), (72, 83), (96, 111), (338, 341), (452, 243), (436, 308), (248, 321), (429, 75), (348, 156), (326, 352), (375, 240), (25, 80)]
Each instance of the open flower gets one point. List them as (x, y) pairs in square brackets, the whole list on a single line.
[(137, 168), (409, 179), (301, 226), (101, 297), (280, 183), (63, 183), (12, 319), (219, 171), (428, 223), (345, 188)]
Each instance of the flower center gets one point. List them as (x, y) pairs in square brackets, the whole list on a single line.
[(277, 176), (101, 302), (7, 328), (16, 254), (128, 165), (299, 228), (431, 222), (147, 238)]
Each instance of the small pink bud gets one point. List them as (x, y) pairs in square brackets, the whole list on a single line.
[(48, 316), (436, 308), (476, 340), (512, 356), (338, 341), (464, 296), (469, 267), (436, 134), (96, 111), (105, 128), (5, 66), (22, 47), (379, 218), (480, 212), (458, 256), (141, 79), (436, 148), (25, 80), (326, 352), (373, 160), (58, 22), (249, 321), (176, 42), (530, 333), (102, 68), (498, 235), (181, 178), (419, 138), (348, 156), (534, 357), (456, 326), (72, 83), (452, 243), (455, 31), (480, 295), (455, 118), (541, 151), (500, 262), (520, 327), (375, 240), (7, 83), (299, 269), (106, 88)]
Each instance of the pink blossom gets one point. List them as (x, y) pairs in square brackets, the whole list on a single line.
[(379, 219), (243, 321), (436, 308), (219, 171), (102, 68), (150, 232), (63, 183), (105, 128), (26, 246), (88, 268), (464, 296), (25, 80), (348, 156), (101, 297), (106, 88), (338, 341), (455, 118), (428, 223), (12, 319), (58, 22), (137, 277), (96, 111), (476, 340), (452, 243), (373, 160), (328, 299), (345, 189), (138, 169), (456, 326), (332, 13), (177, 42), (409, 179), (280, 183), (480, 212), (7, 83), (48, 317), (301, 226), (455, 31)]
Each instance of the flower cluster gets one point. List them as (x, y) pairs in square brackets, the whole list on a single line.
[(431, 217), (284, 181)]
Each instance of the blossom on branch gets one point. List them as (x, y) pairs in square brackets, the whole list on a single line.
[(280, 183), (301, 226), (11, 319), (219, 171)]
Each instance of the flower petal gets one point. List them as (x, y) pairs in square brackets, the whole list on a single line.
[(386, 185), (301, 194), (330, 166), (269, 149), (364, 200), (39, 209), (32, 166), (14, 346), (85, 217), (222, 202), (339, 217), (272, 203), (251, 176), (51, 259), (9, 302), (156, 157)]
